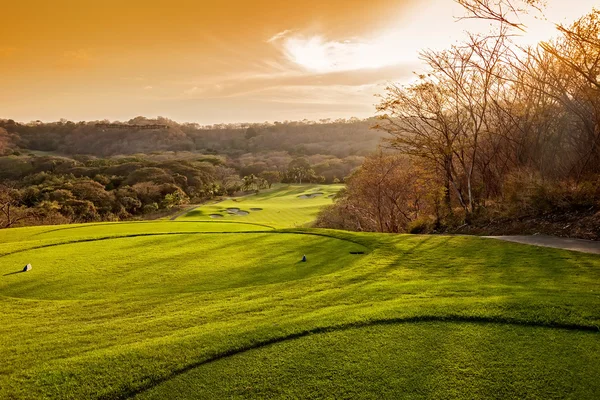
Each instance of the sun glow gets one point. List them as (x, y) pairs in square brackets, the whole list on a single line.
[(320, 55)]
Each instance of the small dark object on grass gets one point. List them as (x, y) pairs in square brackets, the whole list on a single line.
[(357, 252), (304, 258), (27, 268)]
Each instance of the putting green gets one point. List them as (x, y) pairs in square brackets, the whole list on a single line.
[(288, 206)]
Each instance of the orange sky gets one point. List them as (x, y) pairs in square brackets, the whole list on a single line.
[(218, 61)]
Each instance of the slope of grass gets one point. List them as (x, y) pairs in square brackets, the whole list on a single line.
[(282, 208), (40, 233), (220, 309), (404, 361), (171, 265)]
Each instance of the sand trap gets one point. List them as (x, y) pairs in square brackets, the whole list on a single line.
[(236, 211), (256, 209), (215, 216), (310, 196), (331, 196)]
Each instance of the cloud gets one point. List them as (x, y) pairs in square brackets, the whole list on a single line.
[(279, 35), (294, 82), (148, 87), (318, 54), (191, 90)]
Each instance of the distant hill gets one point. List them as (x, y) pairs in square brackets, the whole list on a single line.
[(340, 138)]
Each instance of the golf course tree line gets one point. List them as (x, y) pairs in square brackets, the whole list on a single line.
[(63, 171), (47, 189), (491, 132), (341, 138)]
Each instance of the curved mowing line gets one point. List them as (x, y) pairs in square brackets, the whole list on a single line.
[(151, 222), (343, 327), (170, 233), (225, 222)]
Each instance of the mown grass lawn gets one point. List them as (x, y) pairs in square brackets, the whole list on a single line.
[(219, 309), (289, 206)]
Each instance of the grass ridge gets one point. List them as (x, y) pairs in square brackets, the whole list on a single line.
[(122, 394)]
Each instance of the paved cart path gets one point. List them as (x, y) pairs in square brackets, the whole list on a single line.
[(585, 246)]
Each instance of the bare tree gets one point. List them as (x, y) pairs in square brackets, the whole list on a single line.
[(506, 12), (10, 211)]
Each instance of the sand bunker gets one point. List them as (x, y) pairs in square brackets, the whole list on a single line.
[(310, 195), (331, 196), (256, 209), (237, 211), (215, 216)]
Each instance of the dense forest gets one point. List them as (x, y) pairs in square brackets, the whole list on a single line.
[(493, 138), (340, 138), (63, 171)]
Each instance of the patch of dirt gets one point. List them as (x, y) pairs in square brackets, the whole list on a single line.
[(256, 209), (581, 225), (215, 216)]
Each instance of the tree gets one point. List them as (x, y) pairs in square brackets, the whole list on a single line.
[(250, 133), (4, 141), (270, 177), (386, 194), (446, 116), (174, 199), (10, 209), (249, 182), (506, 12), (299, 170)]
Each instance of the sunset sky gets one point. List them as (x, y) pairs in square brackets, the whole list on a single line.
[(221, 61)]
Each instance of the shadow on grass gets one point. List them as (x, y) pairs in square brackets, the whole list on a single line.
[(132, 392), (13, 273)]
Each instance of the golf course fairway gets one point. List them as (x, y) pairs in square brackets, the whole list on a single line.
[(223, 307)]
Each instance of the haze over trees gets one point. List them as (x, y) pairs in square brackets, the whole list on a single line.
[(63, 171), (340, 138), (499, 131)]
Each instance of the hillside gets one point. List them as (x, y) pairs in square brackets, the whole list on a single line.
[(340, 138)]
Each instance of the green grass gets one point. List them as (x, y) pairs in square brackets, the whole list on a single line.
[(282, 208), (223, 309), (175, 264), (403, 361)]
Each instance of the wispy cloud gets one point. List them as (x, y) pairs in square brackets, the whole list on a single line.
[(321, 55), (279, 35)]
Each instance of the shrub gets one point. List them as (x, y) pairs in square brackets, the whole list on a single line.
[(418, 226)]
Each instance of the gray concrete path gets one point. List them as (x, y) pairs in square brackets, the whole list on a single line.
[(584, 246)]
